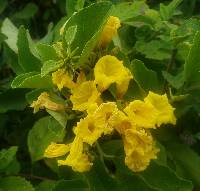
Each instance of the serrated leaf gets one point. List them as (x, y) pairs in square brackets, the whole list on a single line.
[(26, 59), (145, 78), (32, 80), (44, 131), (12, 100), (15, 183), (9, 30), (7, 156)]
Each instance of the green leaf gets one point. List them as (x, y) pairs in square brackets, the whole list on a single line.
[(145, 78), (32, 80), (11, 32), (167, 11), (73, 6), (89, 28), (99, 180), (72, 185), (155, 49), (44, 131), (12, 100), (26, 59), (27, 12), (175, 81), (15, 183), (163, 178), (188, 159), (50, 66), (128, 10), (61, 117), (7, 156), (46, 52), (192, 64), (46, 185), (70, 34)]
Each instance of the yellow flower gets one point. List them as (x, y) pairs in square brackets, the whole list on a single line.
[(61, 79), (84, 95), (120, 122), (110, 70), (139, 149), (105, 111), (78, 160), (90, 128), (44, 101), (165, 110), (109, 31), (144, 114), (56, 150)]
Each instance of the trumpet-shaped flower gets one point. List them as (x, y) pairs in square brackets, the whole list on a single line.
[(44, 101), (56, 150), (77, 159), (61, 79), (110, 70), (144, 114), (84, 96), (165, 110), (109, 31), (90, 128), (139, 149)]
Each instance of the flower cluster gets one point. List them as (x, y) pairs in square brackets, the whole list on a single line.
[(132, 121)]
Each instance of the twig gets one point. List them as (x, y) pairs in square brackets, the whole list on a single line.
[(30, 176)]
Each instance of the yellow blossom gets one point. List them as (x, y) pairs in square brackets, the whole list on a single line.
[(106, 111), (109, 31), (90, 128), (165, 110), (120, 122), (139, 149), (61, 79), (77, 159), (110, 70), (144, 114), (44, 101), (56, 150), (84, 95)]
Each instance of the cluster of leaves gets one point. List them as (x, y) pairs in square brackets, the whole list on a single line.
[(159, 42)]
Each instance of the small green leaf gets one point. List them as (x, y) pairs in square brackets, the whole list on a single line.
[(32, 80), (50, 66), (145, 78), (44, 131), (7, 156), (14, 183), (11, 32), (70, 34), (46, 52)]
